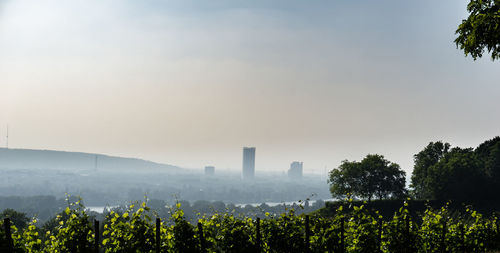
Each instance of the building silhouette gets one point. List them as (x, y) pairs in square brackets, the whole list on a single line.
[(248, 163), (295, 171), (209, 170)]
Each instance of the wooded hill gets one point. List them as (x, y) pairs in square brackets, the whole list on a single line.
[(75, 161)]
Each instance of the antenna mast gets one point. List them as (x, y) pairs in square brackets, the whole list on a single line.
[(7, 138)]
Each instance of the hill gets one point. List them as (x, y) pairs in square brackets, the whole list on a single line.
[(75, 161)]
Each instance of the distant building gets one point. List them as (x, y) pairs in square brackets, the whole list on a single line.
[(209, 170), (295, 171), (248, 163)]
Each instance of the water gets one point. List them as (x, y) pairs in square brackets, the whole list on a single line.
[(287, 203), (99, 209)]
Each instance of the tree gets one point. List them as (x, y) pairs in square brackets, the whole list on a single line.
[(481, 30), (426, 158), (458, 176), (345, 180), (489, 155), (463, 174), (374, 176), (20, 220)]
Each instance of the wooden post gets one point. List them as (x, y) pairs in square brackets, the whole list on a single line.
[(257, 241), (8, 235), (157, 242), (307, 234), (202, 239), (380, 221), (96, 236), (342, 246)]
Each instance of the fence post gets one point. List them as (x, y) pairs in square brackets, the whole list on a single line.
[(342, 247), (307, 234), (258, 235), (202, 238), (157, 242), (8, 235), (380, 221), (96, 236), (443, 237)]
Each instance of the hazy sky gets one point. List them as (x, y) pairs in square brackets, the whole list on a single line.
[(191, 82)]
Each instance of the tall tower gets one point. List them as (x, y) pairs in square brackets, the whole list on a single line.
[(295, 171), (248, 163)]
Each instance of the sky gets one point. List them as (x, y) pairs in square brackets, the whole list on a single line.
[(190, 83)]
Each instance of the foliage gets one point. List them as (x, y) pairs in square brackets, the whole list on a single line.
[(326, 234), (481, 29), (30, 238), (41, 206), (73, 235), (227, 233), (374, 176), (353, 227), (183, 233), (283, 233), (461, 174), (131, 231), (489, 155), (17, 218), (458, 176), (426, 158), (400, 233), (361, 231), (18, 247)]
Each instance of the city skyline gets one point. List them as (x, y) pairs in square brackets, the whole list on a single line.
[(175, 82)]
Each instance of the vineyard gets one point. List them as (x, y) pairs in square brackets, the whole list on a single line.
[(359, 230)]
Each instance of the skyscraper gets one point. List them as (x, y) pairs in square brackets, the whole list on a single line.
[(248, 163), (295, 171)]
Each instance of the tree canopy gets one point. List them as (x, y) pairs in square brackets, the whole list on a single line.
[(481, 30), (426, 158), (457, 173), (20, 220), (374, 176), (458, 176)]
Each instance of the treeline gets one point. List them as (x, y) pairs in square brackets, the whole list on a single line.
[(45, 208), (443, 172), (193, 210), (440, 172), (356, 230), (100, 187)]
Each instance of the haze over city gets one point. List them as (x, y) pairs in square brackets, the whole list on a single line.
[(190, 83), (249, 126)]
